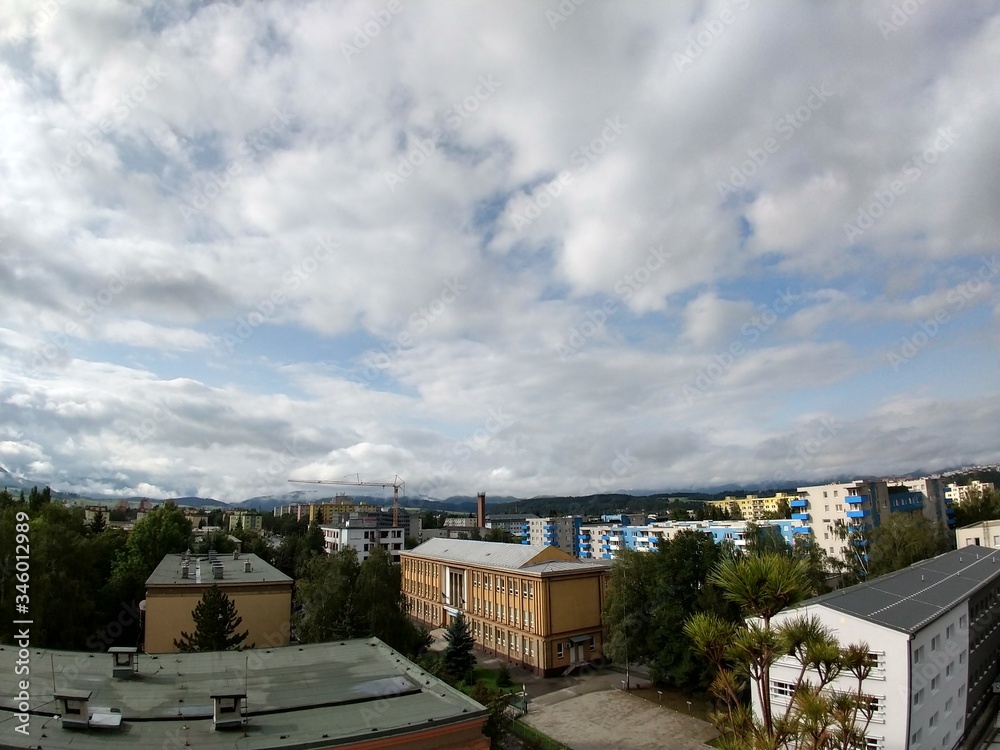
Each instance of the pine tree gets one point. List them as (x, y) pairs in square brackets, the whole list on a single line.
[(98, 524), (215, 622), (458, 657)]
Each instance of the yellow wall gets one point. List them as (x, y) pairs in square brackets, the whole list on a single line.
[(574, 603), (265, 609)]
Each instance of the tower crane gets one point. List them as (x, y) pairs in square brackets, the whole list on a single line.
[(395, 483)]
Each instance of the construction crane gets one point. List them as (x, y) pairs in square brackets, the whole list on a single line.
[(395, 483)]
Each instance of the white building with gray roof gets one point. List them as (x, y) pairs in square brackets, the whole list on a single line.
[(932, 630)]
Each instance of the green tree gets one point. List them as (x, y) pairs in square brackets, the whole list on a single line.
[(977, 506), (458, 657), (380, 605), (818, 716), (500, 535), (904, 539), (216, 623), (98, 523), (163, 530), (325, 596)]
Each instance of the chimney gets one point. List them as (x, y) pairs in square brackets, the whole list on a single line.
[(247, 567), (217, 570), (481, 510), (184, 569)]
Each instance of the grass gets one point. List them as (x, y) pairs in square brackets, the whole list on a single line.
[(489, 678)]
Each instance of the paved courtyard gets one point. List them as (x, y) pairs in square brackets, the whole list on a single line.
[(611, 719)]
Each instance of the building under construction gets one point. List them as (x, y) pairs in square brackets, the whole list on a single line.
[(341, 509)]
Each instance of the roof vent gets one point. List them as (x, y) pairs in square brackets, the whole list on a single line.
[(217, 571), (184, 569), (247, 568)]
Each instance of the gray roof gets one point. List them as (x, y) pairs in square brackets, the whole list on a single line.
[(488, 554), (168, 572), (907, 600), (567, 566), (311, 696)]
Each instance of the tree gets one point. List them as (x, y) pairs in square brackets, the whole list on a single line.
[(903, 540), (818, 716), (500, 535), (98, 523), (458, 657), (216, 622), (163, 530), (325, 596), (978, 505)]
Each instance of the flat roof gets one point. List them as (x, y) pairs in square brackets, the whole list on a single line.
[(168, 572), (300, 696), (909, 599)]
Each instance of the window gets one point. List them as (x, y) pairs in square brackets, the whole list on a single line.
[(915, 737), (961, 658), (559, 651), (963, 622), (918, 697), (918, 655), (782, 689), (948, 704), (933, 720), (826, 507), (949, 632), (949, 669), (824, 493), (935, 643), (935, 681)]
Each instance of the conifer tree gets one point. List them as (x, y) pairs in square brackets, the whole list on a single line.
[(215, 622), (458, 657)]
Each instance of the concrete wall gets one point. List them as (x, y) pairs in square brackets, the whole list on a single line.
[(265, 609)]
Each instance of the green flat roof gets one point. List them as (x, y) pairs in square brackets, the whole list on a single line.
[(308, 696)]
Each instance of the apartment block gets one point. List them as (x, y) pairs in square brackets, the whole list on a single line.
[(754, 507), (859, 506), (534, 605), (249, 520), (558, 531), (363, 535), (934, 641), (512, 523), (606, 541), (959, 493)]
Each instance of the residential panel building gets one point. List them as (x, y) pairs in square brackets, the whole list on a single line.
[(934, 639), (753, 507), (534, 605), (959, 493), (554, 531), (606, 541), (985, 534), (363, 535)]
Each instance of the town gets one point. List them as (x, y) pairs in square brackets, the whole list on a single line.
[(407, 624)]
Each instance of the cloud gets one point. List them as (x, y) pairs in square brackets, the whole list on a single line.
[(246, 241)]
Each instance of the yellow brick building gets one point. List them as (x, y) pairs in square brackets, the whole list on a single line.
[(535, 606), (262, 594)]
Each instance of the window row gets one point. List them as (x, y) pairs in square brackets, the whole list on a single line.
[(503, 584)]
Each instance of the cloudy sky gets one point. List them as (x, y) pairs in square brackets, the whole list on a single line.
[(520, 247)]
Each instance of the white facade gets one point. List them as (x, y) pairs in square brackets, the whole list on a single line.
[(363, 538), (958, 493), (985, 534), (933, 631), (557, 531)]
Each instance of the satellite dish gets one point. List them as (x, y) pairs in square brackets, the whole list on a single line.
[(142, 606)]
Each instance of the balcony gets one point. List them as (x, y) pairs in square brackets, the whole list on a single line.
[(549, 527), (856, 499), (801, 530), (858, 513), (800, 516), (798, 504)]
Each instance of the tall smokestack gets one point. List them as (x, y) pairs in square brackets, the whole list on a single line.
[(481, 510)]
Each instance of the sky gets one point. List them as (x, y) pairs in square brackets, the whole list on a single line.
[(524, 248)]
